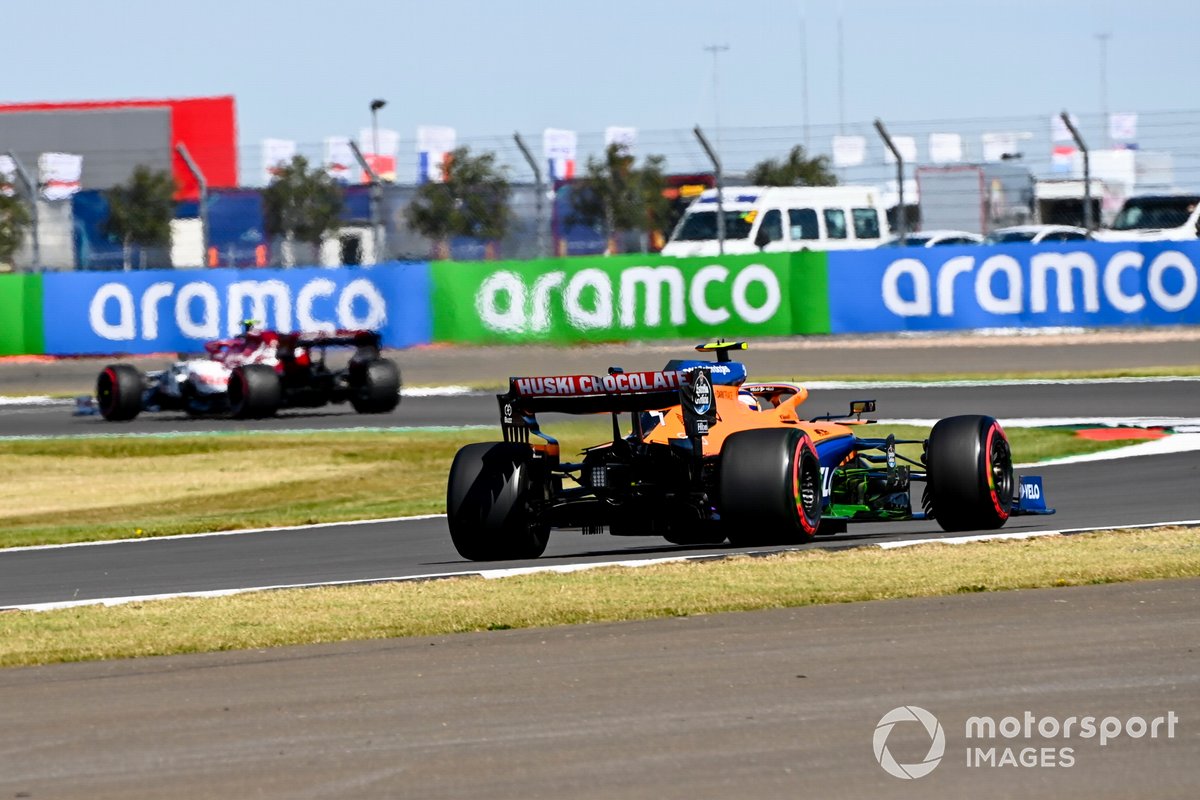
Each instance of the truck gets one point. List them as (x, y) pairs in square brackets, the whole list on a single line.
[(975, 197)]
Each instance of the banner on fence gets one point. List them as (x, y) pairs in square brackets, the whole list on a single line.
[(629, 297), (179, 310), (1073, 284)]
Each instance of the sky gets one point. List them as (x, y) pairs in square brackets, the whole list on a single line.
[(305, 70)]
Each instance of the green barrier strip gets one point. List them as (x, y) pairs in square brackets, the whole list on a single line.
[(21, 315), (642, 297)]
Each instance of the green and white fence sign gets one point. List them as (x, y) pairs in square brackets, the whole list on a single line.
[(629, 297)]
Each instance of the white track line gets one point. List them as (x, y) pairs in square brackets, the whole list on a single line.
[(565, 568), (214, 534)]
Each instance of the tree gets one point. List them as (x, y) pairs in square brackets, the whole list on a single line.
[(795, 170), (140, 212), (301, 204), (472, 201), (14, 218), (618, 196)]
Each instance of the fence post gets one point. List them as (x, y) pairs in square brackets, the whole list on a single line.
[(377, 237), (901, 212), (716, 162), (202, 183), (31, 193), (1087, 170), (540, 188)]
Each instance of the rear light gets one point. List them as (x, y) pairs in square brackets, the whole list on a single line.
[(599, 477)]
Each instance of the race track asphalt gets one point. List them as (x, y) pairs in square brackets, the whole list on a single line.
[(773, 704), (1162, 398), (761, 705)]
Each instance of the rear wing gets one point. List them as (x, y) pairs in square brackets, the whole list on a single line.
[(615, 393), (592, 394)]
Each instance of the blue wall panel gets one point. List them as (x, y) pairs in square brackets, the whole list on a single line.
[(1076, 284), (178, 310)]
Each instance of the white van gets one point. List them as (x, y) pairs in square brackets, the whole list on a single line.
[(779, 219), (1155, 218)]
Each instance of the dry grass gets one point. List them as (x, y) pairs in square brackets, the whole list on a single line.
[(289, 617)]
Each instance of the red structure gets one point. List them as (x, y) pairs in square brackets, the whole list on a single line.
[(206, 125)]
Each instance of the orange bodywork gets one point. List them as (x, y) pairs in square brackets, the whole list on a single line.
[(777, 408)]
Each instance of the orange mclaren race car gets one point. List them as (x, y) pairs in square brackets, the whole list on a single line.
[(708, 457)]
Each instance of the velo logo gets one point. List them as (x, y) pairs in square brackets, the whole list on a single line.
[(937, 743)]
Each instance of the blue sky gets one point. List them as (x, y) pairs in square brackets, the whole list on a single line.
[(304, 70)]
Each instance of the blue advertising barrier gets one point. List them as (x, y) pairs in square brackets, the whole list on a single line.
[(1088, 284), (178, 310)]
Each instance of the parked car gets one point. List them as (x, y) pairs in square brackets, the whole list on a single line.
[(1036, 234), (934, 239), (1159, 217)]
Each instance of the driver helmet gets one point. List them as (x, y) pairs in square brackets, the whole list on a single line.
[(748, 399)]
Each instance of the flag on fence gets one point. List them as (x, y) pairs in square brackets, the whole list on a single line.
[(1062, 158), (8, 174), (59, 174), (907, 145), (625, 138), (945, 148), (340, 163), (435, 143), (1122, 126), (276, 153), (849, 151), (381, 155), (558, 147)]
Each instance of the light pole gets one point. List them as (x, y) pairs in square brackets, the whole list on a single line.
[(376, 104), (1103, 39), (716, 50), (377, 231)]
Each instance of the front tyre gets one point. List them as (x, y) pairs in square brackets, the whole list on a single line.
[(488, 502), (970, 474), (119, 391), (770, 487)]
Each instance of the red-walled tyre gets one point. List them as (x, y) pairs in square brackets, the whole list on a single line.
[(970, 481), (770, 487), (119, 392)]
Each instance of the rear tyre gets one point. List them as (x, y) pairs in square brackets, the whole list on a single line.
[(375, 387), (254, 391), (488, 500), (970, 474), (119, 392), (770, 487)]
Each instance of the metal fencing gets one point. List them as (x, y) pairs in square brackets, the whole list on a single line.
[(1152, 151)]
